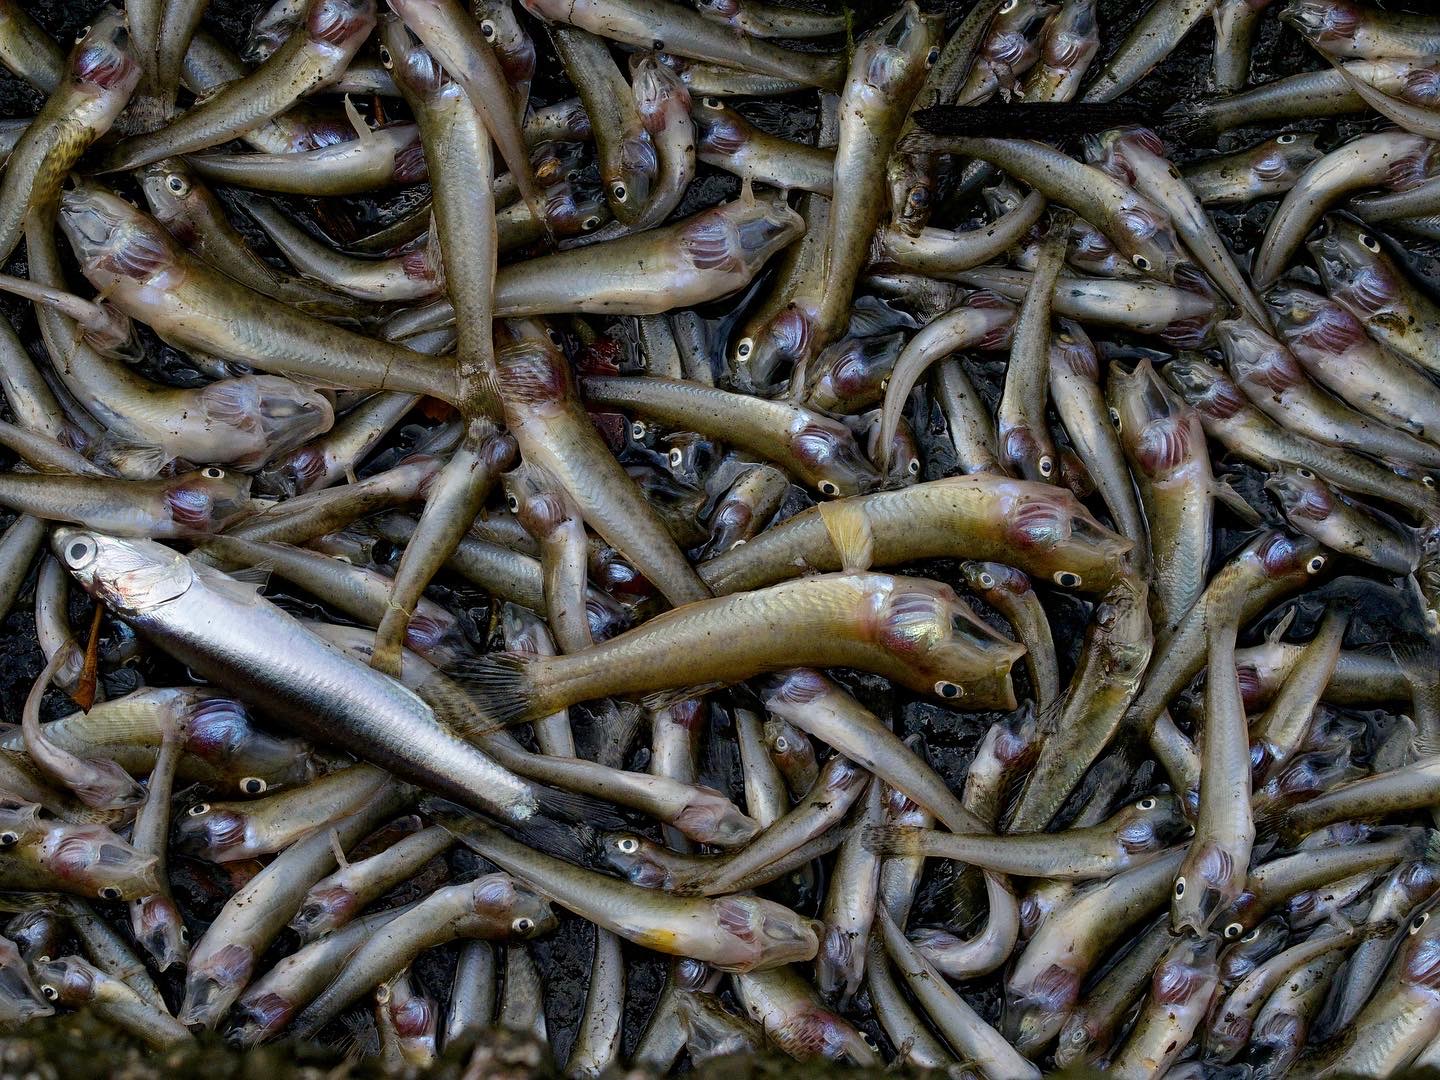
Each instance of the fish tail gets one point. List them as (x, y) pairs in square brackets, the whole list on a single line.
[(891, 839), (1430, 849), (573, 806), (499, 690)]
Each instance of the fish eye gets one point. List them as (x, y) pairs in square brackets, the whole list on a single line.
[(782, 745), (109, 892), (213, 473), (676, 457), (554, 336), (1115, 418), (637, 430), (1252, 935), (1369, 242), (1233, 931), (628, 845), (712, 103), (934, 53), (83, 34), (386, 60), (1141, 262), (487, 29), (253, 785), (80, 551), (184, 936), (1179, 887), (1315, 565), (1147, 803), (1420, 920), (828, 488), (49, 991), (523, 925), (914, 467), (1428, 480), (987, 581), (200, 809), (513, 503), (1305, 474), (619, 192), (1067, 579), (9, 839), (948, 690), (1285, 140), (591, 223), (869, 1041), (744, 349), (1008, 6), (1046, 465), (177, 183)]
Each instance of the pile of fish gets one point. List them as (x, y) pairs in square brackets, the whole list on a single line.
[(443, 518)]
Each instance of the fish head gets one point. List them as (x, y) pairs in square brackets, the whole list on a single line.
[(218, 731), (67, 980), (537, 500), (944, 648), (635, 858), (204, 500), (93, 861), (410, 63), (213, 981), (1147, 238), (828, 456), (211, 830), (1247, 950), (691, 457), (789, 747), (160, 929), (1312, 321), (765, 348), (1419, 961), (1078, 1040), (1301, 494), (1284, 557), (20, 822), (738, 237), (1023, 453), (130, 576), (660, 96), (995, 579), (912, 192), (1207, 882), (1150, 824), (1325, 22), (531, 360), (1059, 537), (323, 910), (524, 913), (720, 131), (725, 11), (573, 211), (710, 818), (903, 453), (271, 28), (895, 57), (104, 59), (512, 45), (1355, 268), (339, 25), (1160, 432), (1256, 359), (20, 998), (781, 935), (111, 238), (282, 412), (1204, 386)]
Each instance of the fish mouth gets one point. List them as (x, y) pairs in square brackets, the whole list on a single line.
[(83, 216)]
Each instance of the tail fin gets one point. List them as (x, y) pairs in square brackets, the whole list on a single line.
[(891, 839), (477, 697)]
